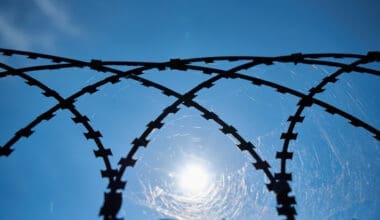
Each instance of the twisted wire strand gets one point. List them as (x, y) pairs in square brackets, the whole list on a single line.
[(187, 99)]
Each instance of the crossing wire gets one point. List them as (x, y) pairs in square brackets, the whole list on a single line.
[(279, 183)]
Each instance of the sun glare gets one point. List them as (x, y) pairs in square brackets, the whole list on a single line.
[(193, 179)]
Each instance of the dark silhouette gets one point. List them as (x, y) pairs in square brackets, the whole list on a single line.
[(279, 183)]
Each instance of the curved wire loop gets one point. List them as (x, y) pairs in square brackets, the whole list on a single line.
[(279, 183)]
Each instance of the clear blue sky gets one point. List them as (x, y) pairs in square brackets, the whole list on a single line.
[(54, 175)]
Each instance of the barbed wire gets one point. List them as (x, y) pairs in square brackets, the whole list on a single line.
[(279, 182)]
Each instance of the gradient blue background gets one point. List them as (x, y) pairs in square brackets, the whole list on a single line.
[(54, 175)]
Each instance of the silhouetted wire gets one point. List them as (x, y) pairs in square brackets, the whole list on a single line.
[(278, 181)]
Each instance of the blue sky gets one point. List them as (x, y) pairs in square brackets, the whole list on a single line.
[(54, 175)]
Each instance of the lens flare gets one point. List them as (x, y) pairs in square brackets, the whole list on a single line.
[(200, 194), (193, 179)]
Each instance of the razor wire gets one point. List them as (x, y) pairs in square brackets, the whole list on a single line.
[(279, 182)]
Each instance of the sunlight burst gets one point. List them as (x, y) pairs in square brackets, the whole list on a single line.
[(193, 179)]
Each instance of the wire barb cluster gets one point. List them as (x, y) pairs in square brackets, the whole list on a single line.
[(279, 182)]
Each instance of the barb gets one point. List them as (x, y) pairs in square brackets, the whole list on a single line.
[(278, 181), (295, 58), (98, 65), (283, 89), (188, 100), (47, 92), (283, 176), (78, 118)]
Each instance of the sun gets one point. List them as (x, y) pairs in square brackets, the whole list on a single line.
[(193, 179)]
